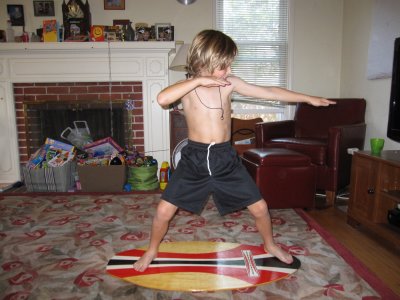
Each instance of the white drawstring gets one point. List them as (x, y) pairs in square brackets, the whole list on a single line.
[(208, 155)]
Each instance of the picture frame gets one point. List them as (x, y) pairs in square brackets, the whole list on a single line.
[(111, 36), (76, 20), (43, 8), (121, 22), (164, 32), (97, 33), (114, 4), (16, 13), (144, 34), (112, 33)]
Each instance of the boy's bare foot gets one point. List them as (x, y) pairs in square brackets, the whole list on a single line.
[(142, 264), (279, 253)]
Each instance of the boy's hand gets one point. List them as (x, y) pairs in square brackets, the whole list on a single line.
[(317, 101)]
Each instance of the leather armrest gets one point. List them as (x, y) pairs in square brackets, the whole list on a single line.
[(340, 139), (269, 130)]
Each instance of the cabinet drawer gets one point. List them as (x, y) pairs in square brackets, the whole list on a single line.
[(389, 179), (363, 188), (386, 202)]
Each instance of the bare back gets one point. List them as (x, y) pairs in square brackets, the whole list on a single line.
[(206, 121)]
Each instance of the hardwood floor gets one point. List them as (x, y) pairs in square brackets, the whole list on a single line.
[(379, 257)]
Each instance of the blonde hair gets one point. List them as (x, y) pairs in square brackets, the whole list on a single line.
[(209, 51)]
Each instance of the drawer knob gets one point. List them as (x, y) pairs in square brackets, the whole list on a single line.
[(371, 191)]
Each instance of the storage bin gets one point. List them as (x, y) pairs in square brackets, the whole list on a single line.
[(51, 179), (102, 178), (143, 178)]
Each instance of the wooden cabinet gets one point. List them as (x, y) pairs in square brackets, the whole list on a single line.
[(375, 189)]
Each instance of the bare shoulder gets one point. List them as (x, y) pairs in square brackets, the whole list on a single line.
[(234, 79), (239, 85)]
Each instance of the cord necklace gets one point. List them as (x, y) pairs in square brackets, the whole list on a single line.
[(220, 99)]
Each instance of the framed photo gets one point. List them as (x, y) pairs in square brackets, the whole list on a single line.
[(121, 22), (164, 32), (111, 36), (16, 13), (144, 34), (114, 4), (112, 33), (43, 8)]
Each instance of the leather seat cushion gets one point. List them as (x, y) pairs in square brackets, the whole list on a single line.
[(316, 149), (277, 157)]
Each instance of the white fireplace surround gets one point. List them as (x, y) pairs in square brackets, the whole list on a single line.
[(84, 62)]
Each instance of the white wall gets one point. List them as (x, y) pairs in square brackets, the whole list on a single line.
[(354, 83), (317, 42)]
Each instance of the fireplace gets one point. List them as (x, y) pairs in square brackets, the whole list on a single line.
[(35, 76), (110, 110)]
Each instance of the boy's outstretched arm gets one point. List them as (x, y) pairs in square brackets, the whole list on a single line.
[(276, 93), (176, 91)]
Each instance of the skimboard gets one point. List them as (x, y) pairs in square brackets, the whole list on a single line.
[(202, 266)]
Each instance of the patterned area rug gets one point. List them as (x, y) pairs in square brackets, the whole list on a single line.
[(58, 246)]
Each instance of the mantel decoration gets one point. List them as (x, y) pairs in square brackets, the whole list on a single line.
[(16, 13), (43, 8), (114, 4), (164, 32), (126, 31), (77, 19), (77, 24)]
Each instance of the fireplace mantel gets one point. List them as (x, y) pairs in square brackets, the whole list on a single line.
[(84, 62)]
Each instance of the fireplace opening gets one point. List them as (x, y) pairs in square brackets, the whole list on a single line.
[(111, 110), (50, 119)]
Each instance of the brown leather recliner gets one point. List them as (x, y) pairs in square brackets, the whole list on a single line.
[(324, 134)]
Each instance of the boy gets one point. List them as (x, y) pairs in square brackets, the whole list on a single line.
[(209, 164)]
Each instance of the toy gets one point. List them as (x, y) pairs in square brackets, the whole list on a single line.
[(164, 175), (202, 266), (106, 146)]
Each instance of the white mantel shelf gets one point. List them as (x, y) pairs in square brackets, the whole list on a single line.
[(84, 62), (73, 46)]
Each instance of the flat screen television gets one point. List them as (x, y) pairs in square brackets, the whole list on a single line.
[(393, 131)]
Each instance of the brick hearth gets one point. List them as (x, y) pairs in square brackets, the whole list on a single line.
[(68, 92)]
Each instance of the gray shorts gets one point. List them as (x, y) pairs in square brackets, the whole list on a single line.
[(204, 169)]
